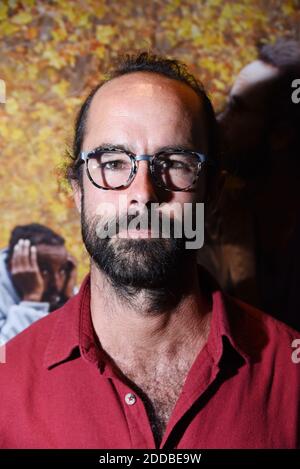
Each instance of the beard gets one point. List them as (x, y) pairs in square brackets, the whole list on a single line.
[(154, 265)]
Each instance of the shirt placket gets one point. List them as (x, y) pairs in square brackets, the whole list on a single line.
[(203, 373), (138, 422)]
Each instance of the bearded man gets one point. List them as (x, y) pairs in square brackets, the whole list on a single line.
[(150, 353)]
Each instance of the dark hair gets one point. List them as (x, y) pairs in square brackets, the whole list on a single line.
[(284, 54), (36, 233), (143, 62)]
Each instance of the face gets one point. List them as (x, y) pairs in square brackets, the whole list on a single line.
[(244, 119), (143, 113), (53, 264)]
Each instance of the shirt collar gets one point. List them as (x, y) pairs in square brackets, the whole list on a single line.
[(226, 323), (73, 333), (66, 335)]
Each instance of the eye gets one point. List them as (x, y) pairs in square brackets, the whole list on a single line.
[(176, 163), (115, 165), (110, 161)]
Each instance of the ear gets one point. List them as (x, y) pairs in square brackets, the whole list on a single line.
[(76, 194)]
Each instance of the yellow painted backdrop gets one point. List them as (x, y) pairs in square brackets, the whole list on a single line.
[(52, 52)]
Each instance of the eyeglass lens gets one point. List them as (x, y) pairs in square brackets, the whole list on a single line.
[(175, 171)]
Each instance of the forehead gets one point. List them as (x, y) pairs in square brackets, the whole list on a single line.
[(146, 84), (147, 102), (256, 76), (48, 253)]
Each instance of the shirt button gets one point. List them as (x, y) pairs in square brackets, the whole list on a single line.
[(130, 399)]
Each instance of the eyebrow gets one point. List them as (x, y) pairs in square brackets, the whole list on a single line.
[(111, 146), (122, 147)]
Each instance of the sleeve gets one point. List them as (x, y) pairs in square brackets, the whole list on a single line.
[(20, 316)]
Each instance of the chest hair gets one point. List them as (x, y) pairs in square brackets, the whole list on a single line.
[(160, 386)]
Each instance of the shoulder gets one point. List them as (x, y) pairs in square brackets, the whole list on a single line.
[(29, 345), (267, 340), (28, 349), (261, 320)]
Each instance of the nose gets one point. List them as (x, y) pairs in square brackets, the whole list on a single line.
[(143, 190), (56, 281)]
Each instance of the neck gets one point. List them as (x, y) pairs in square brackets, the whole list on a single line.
[(125, 326)]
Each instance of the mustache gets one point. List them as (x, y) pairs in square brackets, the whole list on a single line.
[(156, 222)]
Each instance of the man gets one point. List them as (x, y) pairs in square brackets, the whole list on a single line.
[(148, 352), (256, 246), (37, 275)]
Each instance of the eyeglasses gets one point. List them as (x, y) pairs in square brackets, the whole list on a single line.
[(116, 168)]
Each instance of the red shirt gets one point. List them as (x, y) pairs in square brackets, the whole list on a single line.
[(242, 391)]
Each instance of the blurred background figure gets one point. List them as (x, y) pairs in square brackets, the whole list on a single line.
[(255, 230), (37, 275)]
